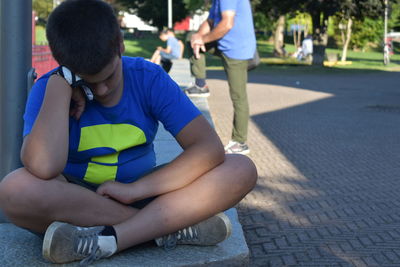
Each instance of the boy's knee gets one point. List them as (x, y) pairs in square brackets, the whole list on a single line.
[(245, 170), (251, 169), (14, 188)]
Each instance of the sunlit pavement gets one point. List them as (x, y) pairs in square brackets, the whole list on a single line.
[(327, 149)]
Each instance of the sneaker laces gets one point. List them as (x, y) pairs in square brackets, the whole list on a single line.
[(186, 234), (87, 245)]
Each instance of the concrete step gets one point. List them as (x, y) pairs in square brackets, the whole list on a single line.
[(20, 248)]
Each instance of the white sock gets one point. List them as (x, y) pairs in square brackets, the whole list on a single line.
[(108, 245)]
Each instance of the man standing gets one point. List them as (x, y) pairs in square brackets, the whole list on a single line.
[(228, 33)]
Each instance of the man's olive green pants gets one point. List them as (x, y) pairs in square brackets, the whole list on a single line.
[(236, 71)]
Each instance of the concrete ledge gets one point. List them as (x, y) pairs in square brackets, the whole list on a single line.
[(19, 247)]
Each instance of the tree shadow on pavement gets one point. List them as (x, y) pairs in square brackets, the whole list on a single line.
[(328, 153)]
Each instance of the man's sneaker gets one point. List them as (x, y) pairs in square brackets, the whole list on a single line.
[(64, 243), (197, 91), (206, 233), (234, 147)]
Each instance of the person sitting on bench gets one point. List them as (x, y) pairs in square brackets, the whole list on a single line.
[(163, 56)]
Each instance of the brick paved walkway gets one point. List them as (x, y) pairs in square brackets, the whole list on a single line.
[(327, 148)]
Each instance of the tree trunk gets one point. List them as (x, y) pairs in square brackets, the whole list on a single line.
[(295, 37), (305, 30), (347, 39), (278, 40), (299, 36), (320, 37)]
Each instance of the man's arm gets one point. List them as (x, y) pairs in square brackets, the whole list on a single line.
[(207, 35), (203, 151), (45, 150), (205, 27), (222, 28)]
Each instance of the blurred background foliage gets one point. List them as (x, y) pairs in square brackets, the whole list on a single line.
[(299, 18)]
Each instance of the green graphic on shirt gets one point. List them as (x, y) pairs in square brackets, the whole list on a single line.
[(115, 136)]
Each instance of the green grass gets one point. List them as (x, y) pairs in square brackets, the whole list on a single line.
[(143, 47), (40, 35), (361, 61), (369, 60)]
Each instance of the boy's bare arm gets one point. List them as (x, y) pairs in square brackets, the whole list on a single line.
[(203, 151), (166, 50), (44, 151)]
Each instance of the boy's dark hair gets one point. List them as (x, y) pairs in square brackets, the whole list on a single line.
[(166, 31), (83, 35), (163, 32)]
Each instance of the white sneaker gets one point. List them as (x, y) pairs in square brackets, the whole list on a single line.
[(64, 243), (234, 147), (196, 91)]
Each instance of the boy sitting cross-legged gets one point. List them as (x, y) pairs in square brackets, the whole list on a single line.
[(89, 184)]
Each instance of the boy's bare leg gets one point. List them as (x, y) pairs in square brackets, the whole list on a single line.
[(155, 57), (158, 60), (216, 191), (34, 203)]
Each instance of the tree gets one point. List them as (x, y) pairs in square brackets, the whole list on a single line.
[(42, 8), (276, 11), (367, 33), (346, 29), (394, 22), (194, 5), (300, 26), (279, 36), (155, 12), (362, 12), (346, 17), (320, 12), (263, 23)]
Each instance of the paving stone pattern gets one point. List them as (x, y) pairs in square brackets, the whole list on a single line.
[(327, 149)]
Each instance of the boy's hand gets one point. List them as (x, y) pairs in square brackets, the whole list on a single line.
[(79, 103), (78, 86), (118, 191)]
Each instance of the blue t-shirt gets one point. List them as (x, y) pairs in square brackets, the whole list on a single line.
[(240, 42), (175, 47), (116, 143)]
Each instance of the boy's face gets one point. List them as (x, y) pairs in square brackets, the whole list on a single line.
[(163, 37), (108, 83)]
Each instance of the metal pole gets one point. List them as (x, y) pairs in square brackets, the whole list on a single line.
[(169, 14), (386, 52), (386, 20), (15, 62)]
